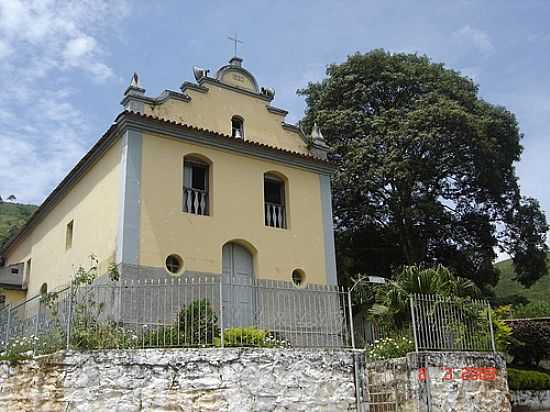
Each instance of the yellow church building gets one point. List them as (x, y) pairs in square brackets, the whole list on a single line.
[(208, 179)]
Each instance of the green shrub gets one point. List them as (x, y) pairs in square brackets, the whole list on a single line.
[(198, 323), (388, 348), (519, 379), (23, 347), (531, 341), (20, 346), (162, 336), (532, 310), (503, 331), (239, 337), (513, 300), (102, 335)]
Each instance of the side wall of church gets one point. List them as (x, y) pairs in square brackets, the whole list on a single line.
[(93, 206)]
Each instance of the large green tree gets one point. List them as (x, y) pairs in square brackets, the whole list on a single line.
[(425, 170)]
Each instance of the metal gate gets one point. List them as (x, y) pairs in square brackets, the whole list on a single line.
[(385, 386), (381, 388)]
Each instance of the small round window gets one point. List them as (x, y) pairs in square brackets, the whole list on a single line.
[(174, 264), (298, 277)]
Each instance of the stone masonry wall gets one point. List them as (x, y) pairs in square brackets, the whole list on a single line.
[(181, 380), (531, 400), (447, 381), (240, 379)]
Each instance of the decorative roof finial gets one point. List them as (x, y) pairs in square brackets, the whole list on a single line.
[(134, 88), (133, 96), (319, 147), (135, 81), (316, 134)]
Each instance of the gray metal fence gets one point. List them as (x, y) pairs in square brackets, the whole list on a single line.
[(199, 310), (195, 310), (436, 323), (37, 324), (451, 324)]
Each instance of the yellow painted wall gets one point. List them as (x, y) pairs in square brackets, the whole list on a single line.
[(13, 296), (93, 204), (238, 79), (237, 212), (213, 111)]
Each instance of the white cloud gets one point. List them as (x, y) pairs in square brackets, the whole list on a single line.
[(100, 71), (476, 38), (43, 43), (78, 48)]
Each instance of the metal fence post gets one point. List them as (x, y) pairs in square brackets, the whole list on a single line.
[(490, 316), (413, 318), (221, 311), (35, 336), (69, 315), (119, 320), (352, 331), (8, 326)]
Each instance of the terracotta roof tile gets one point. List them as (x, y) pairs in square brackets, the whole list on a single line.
[(214, 133)]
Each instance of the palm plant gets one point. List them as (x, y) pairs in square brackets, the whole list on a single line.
[(392, 300)]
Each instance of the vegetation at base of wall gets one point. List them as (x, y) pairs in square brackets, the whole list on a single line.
[(12, 217), (14, 358), (104, 335), (389, 348), (196, 325), (509, 290), (251, 337), (24, 347), (198, 322), (521, 379)]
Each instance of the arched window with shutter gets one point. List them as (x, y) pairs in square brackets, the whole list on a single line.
[(275, 208), (196, 186)]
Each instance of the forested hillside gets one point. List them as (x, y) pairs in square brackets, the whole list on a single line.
[(12, 217), (506, 287)]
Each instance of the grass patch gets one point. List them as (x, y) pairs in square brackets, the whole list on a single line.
[(507, 287)]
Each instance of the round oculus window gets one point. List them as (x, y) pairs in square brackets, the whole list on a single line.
[(298, 277), (174, 264)]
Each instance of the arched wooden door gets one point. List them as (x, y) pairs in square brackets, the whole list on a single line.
[(238, 294)]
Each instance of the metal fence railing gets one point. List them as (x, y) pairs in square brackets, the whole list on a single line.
[(432, 323), (36, 324), (451, 324), (201, 309), (195, 310)]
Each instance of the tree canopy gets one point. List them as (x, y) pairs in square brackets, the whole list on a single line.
[(425, 170)]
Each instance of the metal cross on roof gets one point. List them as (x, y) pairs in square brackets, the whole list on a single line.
[(236, 41)]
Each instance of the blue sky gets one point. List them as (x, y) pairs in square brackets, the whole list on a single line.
[(65, 64)]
